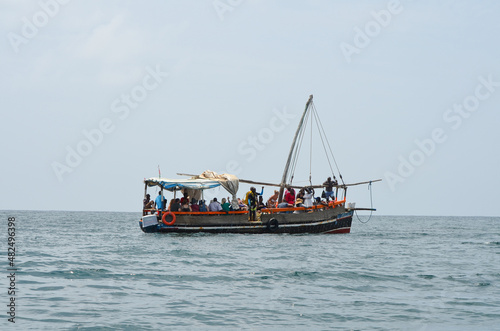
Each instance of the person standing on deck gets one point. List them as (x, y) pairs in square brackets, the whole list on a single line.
[(249, 192), (160, 201), (252, 197), (329, 188)]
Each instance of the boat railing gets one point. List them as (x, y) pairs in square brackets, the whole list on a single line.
[(266, 210), (147, 211), (233, 212), (332, 204)]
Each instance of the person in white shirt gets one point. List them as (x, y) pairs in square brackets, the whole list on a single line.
[(214, 205), (308, 197)]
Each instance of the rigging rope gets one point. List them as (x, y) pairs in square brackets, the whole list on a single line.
[(310, 153), (324, 146), (296, 152), (335, 161), (371, 206), (298, 147)]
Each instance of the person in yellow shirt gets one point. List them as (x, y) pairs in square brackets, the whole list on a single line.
[(251, 200)]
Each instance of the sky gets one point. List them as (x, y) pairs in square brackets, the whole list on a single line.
[(98, 95)]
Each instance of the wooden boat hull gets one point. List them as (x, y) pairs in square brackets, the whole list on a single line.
[(337, 220)]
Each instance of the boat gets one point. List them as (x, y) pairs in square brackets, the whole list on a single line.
[(331, 217)]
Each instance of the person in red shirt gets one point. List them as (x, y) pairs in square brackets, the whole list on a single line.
[(290, 196)]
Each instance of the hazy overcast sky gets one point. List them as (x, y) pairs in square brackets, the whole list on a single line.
[(96, 94)]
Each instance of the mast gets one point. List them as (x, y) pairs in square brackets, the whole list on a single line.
[(292, 148)]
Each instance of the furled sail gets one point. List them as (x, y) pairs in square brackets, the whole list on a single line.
[(230, 182)]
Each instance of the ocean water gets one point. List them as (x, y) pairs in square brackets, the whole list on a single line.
[(98, 270)]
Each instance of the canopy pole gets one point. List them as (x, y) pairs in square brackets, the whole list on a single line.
[(292, 148), (162, 199)]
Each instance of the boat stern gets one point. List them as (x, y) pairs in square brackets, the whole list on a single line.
[(149, 223)]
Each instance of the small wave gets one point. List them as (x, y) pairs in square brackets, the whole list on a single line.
[(87, 273), (48, 288), (481, 284), (492, 243), (104, 287), (307, 274), (427, 276)]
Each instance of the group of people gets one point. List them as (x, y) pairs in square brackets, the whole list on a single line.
[(252, 202), (305, 196), (184, 204)]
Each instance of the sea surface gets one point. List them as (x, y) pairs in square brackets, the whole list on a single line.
[(98, 270)]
